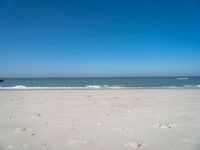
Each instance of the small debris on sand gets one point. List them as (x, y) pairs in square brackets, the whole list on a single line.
[(23, 130), (9, 117), (133, 145), (139, 144)]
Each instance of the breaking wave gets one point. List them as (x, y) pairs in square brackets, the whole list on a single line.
[(23, 87), (182, 78)]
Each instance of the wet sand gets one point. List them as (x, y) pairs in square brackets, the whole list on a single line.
[(145, 119)]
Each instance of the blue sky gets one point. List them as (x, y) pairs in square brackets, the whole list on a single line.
[(45, 38)]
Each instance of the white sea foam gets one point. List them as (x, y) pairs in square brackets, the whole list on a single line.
[(93, 86), (22, 87), (182, 78), (19, 87)]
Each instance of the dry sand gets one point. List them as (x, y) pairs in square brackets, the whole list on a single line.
[(156, 119)]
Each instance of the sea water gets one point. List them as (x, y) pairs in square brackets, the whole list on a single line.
[(100, 83)]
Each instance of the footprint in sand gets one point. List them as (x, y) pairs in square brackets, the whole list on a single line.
[(164, 124), (21, 130), (8, 118)]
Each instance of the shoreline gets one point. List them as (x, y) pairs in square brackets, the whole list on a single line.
[(75, 89)]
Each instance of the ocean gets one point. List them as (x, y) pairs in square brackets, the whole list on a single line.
[(100, 83)]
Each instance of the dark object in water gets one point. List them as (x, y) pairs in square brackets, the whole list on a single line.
[(1, 80)]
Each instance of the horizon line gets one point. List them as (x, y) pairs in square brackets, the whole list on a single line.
[(170, 76)]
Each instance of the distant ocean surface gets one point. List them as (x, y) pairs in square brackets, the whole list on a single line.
[(100, 83)]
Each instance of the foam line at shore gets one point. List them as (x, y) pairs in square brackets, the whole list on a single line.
[(22, 87)]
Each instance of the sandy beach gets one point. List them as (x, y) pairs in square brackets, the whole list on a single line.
[(146, 119)]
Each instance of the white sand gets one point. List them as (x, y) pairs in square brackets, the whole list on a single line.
[(100, 119)]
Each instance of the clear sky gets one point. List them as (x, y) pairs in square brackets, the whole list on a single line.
[(99, 38)]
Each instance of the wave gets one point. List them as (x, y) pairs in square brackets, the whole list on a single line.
[(182, 78), (192, 86), (23, 87)]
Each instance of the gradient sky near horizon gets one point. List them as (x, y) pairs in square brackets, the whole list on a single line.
[(46, 38)]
